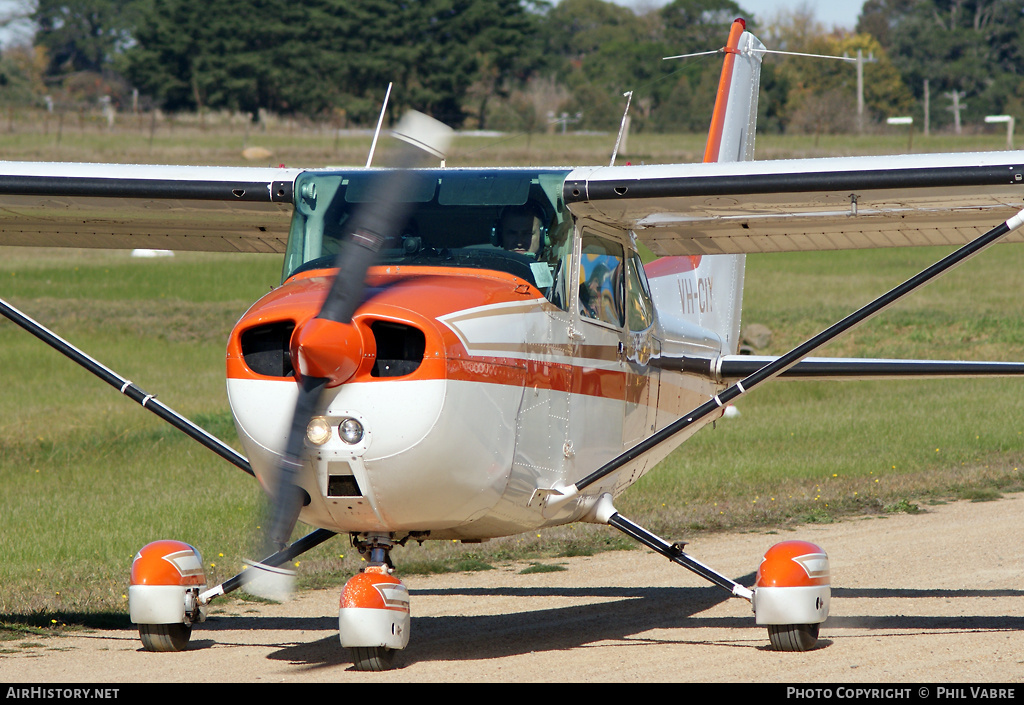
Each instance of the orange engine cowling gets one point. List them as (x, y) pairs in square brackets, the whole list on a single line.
[(167, 576), (793, 584)]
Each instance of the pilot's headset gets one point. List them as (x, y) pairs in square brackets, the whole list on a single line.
[(531, 207)]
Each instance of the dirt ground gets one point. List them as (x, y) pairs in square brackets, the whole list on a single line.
[(931, 597)]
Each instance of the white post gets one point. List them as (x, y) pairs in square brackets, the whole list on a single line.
[(1008, 119), (956, 107), (927, 109), (909, 122)]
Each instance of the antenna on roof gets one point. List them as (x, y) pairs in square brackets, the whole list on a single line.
[(380, 121), (628, 95)]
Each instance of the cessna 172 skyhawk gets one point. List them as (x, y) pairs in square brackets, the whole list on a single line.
[(463, 354)]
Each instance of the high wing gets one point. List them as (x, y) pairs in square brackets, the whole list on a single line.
[(685, 209), (214, 209), (804, 204)]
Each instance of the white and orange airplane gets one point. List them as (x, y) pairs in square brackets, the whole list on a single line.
[(463, 354)]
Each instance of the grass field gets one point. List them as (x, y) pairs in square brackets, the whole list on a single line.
[(221, 139), (87, 478)]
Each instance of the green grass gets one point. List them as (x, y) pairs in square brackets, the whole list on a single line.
[(87, 478), (218, 140)]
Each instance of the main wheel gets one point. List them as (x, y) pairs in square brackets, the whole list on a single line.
[(373, 658), (165, 637), (793, 637)]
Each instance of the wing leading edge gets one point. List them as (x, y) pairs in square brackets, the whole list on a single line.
[(804, 204), (213, 209)]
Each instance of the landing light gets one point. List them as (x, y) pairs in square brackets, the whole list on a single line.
[(318, 431), (351, 431)]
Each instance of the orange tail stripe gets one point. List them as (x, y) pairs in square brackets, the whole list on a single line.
[(722, 99)]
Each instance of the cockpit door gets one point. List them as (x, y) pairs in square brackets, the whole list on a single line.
[(642, 379), (599, 369)]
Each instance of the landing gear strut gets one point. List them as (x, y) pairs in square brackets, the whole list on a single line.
[(790, 598)]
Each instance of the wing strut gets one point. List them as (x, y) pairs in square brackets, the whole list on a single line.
[(146, 401), (783, 363), (675, 553)]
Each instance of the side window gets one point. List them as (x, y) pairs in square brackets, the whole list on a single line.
[(602, 280), (556, 259), (639, 307)]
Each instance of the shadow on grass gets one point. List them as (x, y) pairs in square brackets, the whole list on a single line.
[(16, 626)]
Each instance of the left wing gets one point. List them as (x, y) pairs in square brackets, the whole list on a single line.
[(804, 204), (214, 209)]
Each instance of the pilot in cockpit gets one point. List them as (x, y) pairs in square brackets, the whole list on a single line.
[(520, 229)]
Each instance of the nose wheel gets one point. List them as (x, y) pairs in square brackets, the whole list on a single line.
[(373, 615)]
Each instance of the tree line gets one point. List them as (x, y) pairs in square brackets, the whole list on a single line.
[(523, 65)]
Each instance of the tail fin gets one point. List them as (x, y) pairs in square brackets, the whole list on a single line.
[(731, 137), (708, 290)]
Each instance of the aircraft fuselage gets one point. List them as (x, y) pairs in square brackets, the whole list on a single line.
[(476, 381)]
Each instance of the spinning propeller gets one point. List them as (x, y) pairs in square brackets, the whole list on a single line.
[(326, 349)]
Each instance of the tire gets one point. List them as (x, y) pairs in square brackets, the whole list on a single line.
[(164, 637), (373, 658), (793, 637)]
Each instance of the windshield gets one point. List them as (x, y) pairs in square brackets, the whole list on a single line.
[(509, 220)]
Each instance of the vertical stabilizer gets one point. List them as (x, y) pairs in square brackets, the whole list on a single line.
[(708, 290), (731, 137)]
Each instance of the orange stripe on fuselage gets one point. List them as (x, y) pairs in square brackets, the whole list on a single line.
[(419, 296), (722, 99)]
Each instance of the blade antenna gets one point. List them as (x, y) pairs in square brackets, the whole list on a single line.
[(628, 95), (380, 121)]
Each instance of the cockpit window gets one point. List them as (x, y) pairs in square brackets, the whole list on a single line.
[(639, 307), (509, 220)]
